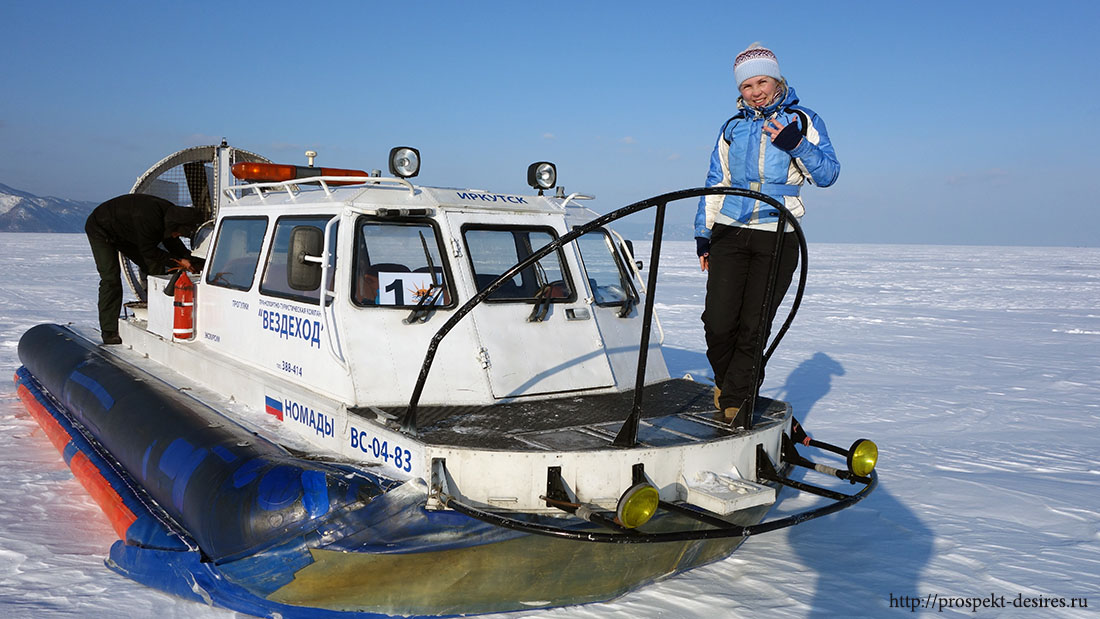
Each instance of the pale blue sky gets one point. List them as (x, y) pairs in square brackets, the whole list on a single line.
[(954, 122)]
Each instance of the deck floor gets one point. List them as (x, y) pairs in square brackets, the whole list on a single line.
[(674, 412)]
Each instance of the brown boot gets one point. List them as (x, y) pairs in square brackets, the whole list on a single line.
[(717, 393), (736, 417)]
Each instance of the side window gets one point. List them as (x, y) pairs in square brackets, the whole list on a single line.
[(607, 277), (236, 252), (493, 250), (276, 279), (399, 264)]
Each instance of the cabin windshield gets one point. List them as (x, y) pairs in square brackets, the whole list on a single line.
[(236, 252), (493, 249), (400, 265), (607, 276), (276, 280)]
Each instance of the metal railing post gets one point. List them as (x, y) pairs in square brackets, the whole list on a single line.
[(628, 433)]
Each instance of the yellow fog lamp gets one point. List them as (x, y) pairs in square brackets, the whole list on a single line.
[(862, 457), (404, 161), (542, 175), (637, 505)]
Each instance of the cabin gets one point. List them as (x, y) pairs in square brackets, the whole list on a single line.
[(395, 260)]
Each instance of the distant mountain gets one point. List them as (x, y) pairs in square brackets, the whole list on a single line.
[(24, 212)]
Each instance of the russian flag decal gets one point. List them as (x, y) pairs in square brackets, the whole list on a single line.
[(274, 407)]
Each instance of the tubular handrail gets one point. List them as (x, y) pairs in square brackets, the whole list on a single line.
[(371, 182), (720, 528), (627, 435), (803, 269)]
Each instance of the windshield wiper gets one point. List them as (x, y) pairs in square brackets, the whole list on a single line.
[(424, 308)]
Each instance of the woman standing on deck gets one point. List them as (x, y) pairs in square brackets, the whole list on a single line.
[(772, 145)]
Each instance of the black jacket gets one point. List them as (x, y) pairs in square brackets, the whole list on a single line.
[(137, 224)]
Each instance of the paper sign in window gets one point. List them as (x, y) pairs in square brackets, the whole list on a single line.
[(406, 288)]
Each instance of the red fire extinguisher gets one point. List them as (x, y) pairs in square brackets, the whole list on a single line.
[(183, 326)]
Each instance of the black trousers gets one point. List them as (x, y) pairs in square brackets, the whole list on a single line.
[(107, 264), (738, 266)]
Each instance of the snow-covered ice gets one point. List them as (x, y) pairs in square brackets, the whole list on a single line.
[(975, 369)]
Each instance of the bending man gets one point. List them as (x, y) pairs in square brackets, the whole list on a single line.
[(145, 229)]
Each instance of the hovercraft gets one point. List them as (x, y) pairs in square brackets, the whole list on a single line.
[(387, 399)]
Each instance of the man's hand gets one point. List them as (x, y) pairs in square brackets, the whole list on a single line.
[(183, 263)]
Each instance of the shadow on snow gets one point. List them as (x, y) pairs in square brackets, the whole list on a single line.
[(862, 555)]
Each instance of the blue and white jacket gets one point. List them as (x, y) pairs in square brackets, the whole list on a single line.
[(745, 157)]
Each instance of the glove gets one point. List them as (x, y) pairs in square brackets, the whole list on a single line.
[(788, 138), (702, 246)]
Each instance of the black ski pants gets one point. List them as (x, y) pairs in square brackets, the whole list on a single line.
[(738, 267)]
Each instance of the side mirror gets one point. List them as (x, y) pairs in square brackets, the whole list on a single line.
[(200, 243), (303, 258), (628, 249)]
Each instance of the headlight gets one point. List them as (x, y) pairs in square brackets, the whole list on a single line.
[(637, 505), (542, 175), (862, 457), (404, 161)]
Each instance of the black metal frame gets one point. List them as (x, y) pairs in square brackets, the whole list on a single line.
[(628, 433)]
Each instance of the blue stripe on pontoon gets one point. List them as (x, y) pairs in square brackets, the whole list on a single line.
[(95, 388)]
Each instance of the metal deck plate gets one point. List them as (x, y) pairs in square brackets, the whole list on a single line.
[(674, 412)]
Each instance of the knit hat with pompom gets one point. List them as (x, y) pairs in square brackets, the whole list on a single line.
[(756, 60)]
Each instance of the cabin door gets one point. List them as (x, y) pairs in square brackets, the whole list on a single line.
[(537, 333)]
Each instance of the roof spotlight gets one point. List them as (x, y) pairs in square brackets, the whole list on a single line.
[(542, 175), (404, 161)]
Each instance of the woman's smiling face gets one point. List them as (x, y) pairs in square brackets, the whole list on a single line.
[(759, 90)]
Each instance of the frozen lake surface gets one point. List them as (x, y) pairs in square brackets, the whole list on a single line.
[(975, 369)]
